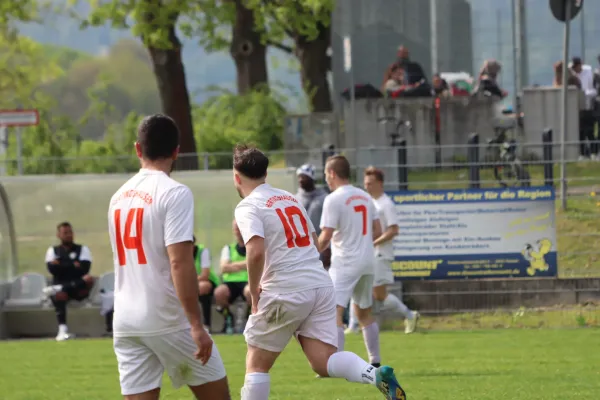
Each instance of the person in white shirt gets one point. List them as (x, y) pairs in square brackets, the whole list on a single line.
[(350, 224), (588, 146), (291, 293), (157, 321), (384, 253)]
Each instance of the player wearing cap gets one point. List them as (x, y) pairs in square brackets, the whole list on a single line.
[(384, 253), (291, 293), (350, 223), (311, 197), (157, 321)]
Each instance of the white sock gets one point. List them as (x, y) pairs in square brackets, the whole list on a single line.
[(353, 322), (256, 386), (350, 367), (341, 338), (62, 328), (394, 304), (371, 338)]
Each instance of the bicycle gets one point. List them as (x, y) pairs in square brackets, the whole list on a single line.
[(508, 168)]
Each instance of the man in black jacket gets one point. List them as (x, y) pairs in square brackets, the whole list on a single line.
[(69, 263)]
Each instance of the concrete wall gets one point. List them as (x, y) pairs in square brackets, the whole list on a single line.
[(542, 108)]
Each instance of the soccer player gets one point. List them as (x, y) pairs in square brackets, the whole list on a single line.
[(350, 223), (208, 280), (384, 253), (291, 293), (157, 321)]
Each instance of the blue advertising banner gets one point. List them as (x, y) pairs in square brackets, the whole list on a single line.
[(475, 233)]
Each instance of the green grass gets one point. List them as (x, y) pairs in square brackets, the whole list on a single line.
[(579, 174), (83, 200), (482, 365)]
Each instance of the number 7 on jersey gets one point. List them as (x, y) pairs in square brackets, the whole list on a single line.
[(125, 240)]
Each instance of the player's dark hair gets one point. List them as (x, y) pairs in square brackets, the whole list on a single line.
[(374, 172), (63, 225), (340, 165), (250, 161), (158, 137)]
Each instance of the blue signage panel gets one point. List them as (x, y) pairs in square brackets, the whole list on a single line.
[(475, 233)]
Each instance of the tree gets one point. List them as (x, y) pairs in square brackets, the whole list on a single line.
[(226, 119), (156, 23), (307, 23)]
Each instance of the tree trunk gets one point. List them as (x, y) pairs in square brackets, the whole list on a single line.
[(174, 96), (249, 54), (314, 66)]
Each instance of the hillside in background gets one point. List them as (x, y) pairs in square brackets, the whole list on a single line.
[(203, 69)]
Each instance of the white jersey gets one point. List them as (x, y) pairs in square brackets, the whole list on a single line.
[(148, 213), (292, 261), (350, 211), (386, 209)]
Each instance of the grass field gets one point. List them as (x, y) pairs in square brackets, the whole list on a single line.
[(479, 365), (83, 200)]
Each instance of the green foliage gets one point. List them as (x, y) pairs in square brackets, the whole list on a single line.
[(227, 119)]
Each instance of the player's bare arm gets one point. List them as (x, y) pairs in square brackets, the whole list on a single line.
[(255, 258), (389, 234), (376, 229), (325, 238), (181, 257)]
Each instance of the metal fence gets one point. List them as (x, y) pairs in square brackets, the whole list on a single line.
[(40, 202)]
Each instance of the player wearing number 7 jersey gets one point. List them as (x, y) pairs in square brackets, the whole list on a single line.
[(292, 294), (350, 222), (157, 322)]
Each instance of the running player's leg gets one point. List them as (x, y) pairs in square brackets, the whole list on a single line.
[(343, 284), (140, 370), (390, 303), (317, 336), (363, 300), (176, 353), (267, 333), (353, 325)]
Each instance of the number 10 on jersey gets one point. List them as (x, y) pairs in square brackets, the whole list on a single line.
[(125, 240), (293, 237)]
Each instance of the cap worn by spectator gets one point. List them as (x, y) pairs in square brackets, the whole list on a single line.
[(308, 170)]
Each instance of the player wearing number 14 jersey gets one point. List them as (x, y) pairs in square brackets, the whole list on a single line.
[(291, 293), (157, 322)]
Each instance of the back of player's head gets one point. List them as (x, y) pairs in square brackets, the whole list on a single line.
[(250, 162), (375, 173), (158, 137), (339, 165)]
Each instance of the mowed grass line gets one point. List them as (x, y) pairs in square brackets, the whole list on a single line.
[(481, 365)]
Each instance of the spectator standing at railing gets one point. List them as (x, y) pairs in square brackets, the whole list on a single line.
[(414, 82), (587, 118), (487, 81), (311, 197), (69, 264), (572, 79)]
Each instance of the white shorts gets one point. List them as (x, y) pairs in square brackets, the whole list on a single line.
[(358, 287), (383, 272), (142, 361), (310, 313)]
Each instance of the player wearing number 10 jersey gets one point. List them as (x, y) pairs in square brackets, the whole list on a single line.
[(292, 294), (157, 320)]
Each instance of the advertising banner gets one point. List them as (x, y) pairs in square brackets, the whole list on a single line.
[(475, 233)]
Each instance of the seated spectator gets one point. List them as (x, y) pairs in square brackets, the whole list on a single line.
[(393, 80), (487, 82), (235, 279), (572, 79), (207, 281), (69, 263), (440, 86), (414, 81)]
